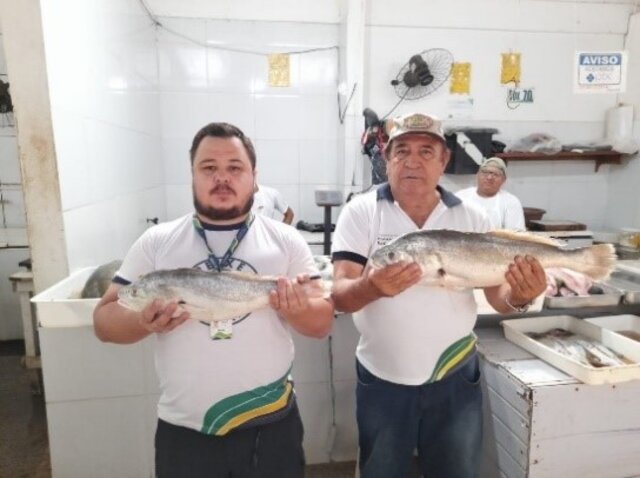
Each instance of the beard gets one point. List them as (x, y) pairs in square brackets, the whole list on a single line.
[(218, 214)]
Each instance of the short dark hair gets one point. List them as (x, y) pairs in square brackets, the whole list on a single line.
[(223, 130)]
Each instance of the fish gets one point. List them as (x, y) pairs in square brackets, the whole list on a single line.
[(207, 296), (579, 348), (100, 280), (459, 260)]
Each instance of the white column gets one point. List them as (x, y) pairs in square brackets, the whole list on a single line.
[(352, 75)]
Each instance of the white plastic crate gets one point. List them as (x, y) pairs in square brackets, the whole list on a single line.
[(59, 305), (627, 323), (515, 330)]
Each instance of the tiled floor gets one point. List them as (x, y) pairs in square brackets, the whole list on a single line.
[(24, 448)]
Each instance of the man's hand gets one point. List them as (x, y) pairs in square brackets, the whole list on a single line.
[(527, 280), (158, 317), (393, 279), (292, 296)]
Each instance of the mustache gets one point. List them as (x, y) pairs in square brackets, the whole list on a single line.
[(222, 188)]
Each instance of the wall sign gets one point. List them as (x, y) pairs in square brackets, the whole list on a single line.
[(600, 72)]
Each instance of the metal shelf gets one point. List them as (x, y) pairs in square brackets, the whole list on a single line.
[(600, 157)]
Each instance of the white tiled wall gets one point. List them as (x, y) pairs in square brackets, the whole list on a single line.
[(294, 128), (547, 35), (12, 215), (106, 118)]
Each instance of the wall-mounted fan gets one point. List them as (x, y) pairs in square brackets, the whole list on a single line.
[(423, 74)]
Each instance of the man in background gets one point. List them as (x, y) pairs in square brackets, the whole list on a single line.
[(269, 201), (503, 208)]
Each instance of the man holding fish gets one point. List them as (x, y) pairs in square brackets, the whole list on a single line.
[(418, 374), (223, 345)]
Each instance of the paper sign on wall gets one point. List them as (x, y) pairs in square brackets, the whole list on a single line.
[(279, 69), (600, 72), (510, 68), (460, 78)]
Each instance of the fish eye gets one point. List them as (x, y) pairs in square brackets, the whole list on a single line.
[(391, 255)]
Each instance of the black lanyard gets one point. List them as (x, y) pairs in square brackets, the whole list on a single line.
[(225, 262)]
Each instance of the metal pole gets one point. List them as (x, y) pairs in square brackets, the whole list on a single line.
[(327, 230)]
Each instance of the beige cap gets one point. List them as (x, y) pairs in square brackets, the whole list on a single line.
[(496, 163), (417, 123)]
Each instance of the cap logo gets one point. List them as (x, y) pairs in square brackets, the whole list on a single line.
[(417, 122)]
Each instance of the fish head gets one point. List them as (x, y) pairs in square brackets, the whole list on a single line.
[(134, 297), (390, 254)]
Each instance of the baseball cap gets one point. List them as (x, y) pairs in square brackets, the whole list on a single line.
[(417, 123), (496, 163)]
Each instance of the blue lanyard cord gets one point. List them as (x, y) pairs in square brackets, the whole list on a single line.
[(220, 264)]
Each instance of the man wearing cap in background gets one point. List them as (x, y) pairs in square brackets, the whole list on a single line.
[(503, 208), (417, 367)]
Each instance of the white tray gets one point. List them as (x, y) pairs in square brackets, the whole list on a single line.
[(618, 323), (515, 331), (60, 305)]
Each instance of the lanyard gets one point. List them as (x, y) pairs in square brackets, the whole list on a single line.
[(225, 262)]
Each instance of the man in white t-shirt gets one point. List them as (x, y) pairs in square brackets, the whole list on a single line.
[(227, 406), (503, 208), (269, 201), (418, 373)]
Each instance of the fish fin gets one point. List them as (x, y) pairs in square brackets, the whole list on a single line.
[(599, 261), (524, 236)]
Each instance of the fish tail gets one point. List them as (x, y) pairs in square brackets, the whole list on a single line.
[(599, 261)]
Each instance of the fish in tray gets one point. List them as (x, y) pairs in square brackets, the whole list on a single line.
[(456, 259), (207, 296), (581, 349)]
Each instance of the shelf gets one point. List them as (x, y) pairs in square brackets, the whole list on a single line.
[(600, 157)]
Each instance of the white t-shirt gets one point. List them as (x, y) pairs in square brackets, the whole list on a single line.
[(269, 202), (213, 386), (504, 209), (424, 333)]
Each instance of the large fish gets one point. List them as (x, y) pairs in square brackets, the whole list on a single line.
[(457, 260), (100, 280), (207, 296)]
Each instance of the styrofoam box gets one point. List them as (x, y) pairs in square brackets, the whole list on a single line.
[(515, 331), (59, 305), (617, 323)]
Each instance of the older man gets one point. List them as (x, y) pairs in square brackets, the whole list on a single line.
[(227, 406), (407, 333), (503, 208)]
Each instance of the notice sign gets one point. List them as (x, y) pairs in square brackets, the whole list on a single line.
[(600, 72)]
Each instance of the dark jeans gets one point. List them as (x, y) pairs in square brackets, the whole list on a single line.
[(265, 451), (443, 420)]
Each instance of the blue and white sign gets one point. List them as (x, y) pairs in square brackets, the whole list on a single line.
[(600, 72)]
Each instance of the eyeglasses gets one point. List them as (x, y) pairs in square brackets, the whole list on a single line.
[(491, 174)]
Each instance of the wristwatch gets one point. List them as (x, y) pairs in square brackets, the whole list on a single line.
[(520, 309)]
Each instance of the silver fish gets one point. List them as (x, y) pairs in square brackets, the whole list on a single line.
[(581, 349), (207, 296), (100, 280), (457, 260)]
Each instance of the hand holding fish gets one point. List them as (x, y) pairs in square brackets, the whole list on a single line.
[(527, 280), (393, 279), (290, 297), (159, 317), (304, 304)]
